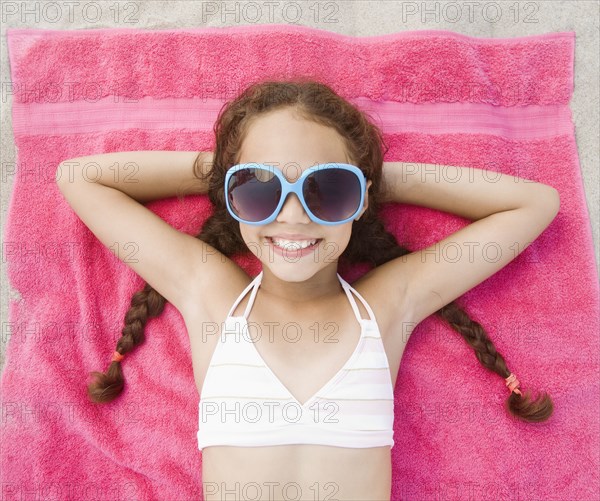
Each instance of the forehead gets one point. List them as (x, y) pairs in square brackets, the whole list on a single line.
[(291, 143)]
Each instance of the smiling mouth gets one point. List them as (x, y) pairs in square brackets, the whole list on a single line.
[(294, 245)]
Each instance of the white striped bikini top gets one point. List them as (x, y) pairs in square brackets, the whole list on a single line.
[(243, 403)]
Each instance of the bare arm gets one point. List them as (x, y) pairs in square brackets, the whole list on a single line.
[(143, 175), (106, 191), (465, 191), (509, 213)]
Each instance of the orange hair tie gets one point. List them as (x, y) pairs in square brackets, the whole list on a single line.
[(512, 382), (117, 357)]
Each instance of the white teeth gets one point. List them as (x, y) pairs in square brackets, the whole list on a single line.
[(293, 244)]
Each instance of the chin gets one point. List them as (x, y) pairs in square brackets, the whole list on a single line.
[(292, 272)]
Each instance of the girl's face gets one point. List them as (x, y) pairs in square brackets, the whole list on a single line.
[(293, 144)]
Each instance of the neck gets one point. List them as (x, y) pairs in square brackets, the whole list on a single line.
[(320, 287)]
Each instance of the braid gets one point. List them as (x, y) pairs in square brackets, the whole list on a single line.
[(145, 304), (518, 404)]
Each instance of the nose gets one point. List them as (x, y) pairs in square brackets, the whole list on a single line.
[(292, 211)]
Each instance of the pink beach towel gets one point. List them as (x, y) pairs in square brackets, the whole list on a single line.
[(440, 98)]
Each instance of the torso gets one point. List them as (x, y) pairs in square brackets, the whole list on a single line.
[(306, 471)]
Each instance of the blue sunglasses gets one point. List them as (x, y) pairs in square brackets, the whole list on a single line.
[(331, 193)]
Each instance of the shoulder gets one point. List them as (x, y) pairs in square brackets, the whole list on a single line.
[(386, 294), (212, 300)]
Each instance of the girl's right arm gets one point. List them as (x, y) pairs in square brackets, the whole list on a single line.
[(107, 191)]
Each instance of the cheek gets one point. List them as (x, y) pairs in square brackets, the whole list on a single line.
[(250, 238), (338, 241)]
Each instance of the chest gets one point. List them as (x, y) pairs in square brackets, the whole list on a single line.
[(301, 356)]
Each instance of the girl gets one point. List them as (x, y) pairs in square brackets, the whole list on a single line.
[(296, 377)]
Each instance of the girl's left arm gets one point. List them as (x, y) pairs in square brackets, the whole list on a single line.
[(508, 214), (465, 191)]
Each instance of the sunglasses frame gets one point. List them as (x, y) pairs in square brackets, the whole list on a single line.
[(295, 187)]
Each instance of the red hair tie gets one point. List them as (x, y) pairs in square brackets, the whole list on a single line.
[(117, 357), (512, 382)]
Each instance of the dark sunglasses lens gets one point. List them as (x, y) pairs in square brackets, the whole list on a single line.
[(332, 194), (253, 193)]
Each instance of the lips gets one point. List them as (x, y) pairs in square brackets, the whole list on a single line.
[(304, 240), (293, 236), (293, 253)]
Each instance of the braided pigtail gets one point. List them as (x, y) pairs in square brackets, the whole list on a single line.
[(520, 405), (145, 304)]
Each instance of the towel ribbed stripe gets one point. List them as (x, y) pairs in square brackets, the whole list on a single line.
[(196, 114)]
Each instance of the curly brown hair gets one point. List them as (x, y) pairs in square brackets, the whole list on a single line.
[(369, 243)]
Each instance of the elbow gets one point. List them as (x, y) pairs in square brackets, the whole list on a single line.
[(63, 176), (548, 199), (545, 203), (59, 175), (554, 202)]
